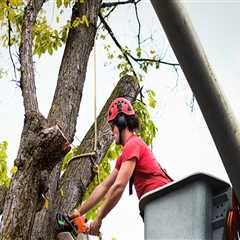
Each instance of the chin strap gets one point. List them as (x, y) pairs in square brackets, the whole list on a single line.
[(120, 135)]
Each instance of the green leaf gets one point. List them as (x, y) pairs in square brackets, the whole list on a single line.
[(16, 3), (152, 51), (4, 178), (68, 157), (152, 102), (66, 3), (59, 3), (14, 169), (102, 36), (151, 99), (45, 201), (57, 19), (139, 52), (50, 50), (147, 129), (84, 20)]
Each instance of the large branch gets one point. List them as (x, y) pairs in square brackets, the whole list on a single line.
[(71, 78), (114, 4), (68, 94), (27, 80)]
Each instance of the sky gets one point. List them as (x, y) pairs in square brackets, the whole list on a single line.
[(183, 144)]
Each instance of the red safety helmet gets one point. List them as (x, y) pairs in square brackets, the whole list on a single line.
[(120, 105)]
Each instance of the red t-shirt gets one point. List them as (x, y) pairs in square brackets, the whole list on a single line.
[(148, 174)]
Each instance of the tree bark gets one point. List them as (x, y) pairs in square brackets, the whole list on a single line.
[(71, 78), (22, 196), (3, 193), (68, 94), (43, 144), (41, 148), (27, 80)]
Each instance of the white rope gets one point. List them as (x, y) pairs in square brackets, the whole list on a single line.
[(95, 96), (95, 107)]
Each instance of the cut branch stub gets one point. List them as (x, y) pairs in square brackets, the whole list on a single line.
[(51, 147)]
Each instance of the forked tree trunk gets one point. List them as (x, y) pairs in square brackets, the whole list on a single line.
[(44, 141)]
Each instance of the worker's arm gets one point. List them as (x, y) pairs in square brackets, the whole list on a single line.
[(98, 193), (114, 194)]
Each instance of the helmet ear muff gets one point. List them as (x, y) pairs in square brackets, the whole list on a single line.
[(121, 122)]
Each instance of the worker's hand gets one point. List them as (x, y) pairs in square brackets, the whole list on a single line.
[(94, 228), (75, 213)]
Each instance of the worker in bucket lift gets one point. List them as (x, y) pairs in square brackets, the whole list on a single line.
[(135, 165)]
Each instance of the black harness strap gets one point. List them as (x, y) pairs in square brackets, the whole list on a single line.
[(147, 175), (131, 185)]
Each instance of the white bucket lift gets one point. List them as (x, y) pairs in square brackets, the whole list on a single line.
[(193, 208)]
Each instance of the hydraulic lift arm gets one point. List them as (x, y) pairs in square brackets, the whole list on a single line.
[(215, 109)]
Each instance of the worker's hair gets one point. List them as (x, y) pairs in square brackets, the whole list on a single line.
[(122, 121)]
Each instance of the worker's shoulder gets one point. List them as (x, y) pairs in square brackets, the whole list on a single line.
[(135, 140)]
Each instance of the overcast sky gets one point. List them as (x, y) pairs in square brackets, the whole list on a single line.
[(183, 145)]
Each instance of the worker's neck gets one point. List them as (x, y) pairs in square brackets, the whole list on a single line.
[(126, 135)]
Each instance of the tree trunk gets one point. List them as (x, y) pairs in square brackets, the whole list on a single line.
[(41, 148), (43, 143), (79, 172), (65, 106)]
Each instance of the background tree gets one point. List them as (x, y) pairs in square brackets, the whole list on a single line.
[(37, 185)]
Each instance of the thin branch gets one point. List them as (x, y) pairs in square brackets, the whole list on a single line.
[(9, 46), (146, 39), (139, 24), (16, 82), (106, 16), (112, 4), (116, 42), (151, 60), (127, 55), (9, 50)]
